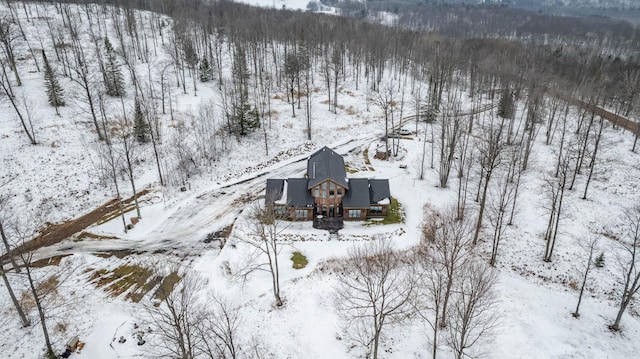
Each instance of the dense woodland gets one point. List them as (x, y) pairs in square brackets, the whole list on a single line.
[(442, 66)]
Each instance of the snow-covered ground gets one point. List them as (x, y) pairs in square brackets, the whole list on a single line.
[(57, 180)]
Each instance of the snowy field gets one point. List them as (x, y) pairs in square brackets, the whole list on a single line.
[(58, 180)]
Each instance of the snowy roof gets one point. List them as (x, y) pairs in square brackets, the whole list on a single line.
[(379, 190), (274, 190), (298, 195), (326, 164), (358, 193)]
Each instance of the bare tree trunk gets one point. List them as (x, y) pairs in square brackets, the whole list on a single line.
[(154, 137), (114, 176), (23, 318), (584, 141), (6, 88), (593, 158), (450, 239), (41, 314), (424, 152), (375, 292), (504, 197), (631, 275), (129, 145), (473, 310), (263, 236), (590, 248), (449, 136), (7, 247), (557, 188), (490, 158)]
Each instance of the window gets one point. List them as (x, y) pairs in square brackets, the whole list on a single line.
[(279, 211), (339, 192), (301, 213), (354, 213), (316, 191), (375, 210)]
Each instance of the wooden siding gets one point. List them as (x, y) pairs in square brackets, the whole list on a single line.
[(328, 200), (385, 209), (363, 214), (292, 213)]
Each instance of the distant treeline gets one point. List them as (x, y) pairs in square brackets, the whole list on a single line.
[(490, 41)]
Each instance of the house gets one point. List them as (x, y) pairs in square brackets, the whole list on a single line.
[(326, 195)]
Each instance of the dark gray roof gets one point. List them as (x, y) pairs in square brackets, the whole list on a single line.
[(298, 195), (326, 164), (358, 194), (274, 190), (379, 189)]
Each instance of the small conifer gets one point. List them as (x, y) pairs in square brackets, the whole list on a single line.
[(54, 90)]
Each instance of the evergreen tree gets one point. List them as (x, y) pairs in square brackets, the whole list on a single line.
[(506, 106), (140, 126), (114, 80), (599, 262), (206, 72), (54, 90), (245, 118)]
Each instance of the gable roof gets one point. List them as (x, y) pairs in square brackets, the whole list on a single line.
[(274, 190), (326, 164), (358, 193), (379, 190), (298, 195)]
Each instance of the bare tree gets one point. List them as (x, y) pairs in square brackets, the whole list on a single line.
[(450, 134), (8, 37), (292, 70), (150, 112), (464, 165), (43, 288), (630, 264), (473, 313), (491, 150), (384, 100), (535, 115), (3, 235), (262, 235), (376, 290), (127, 138), (583, 134), (23, 317), (176, 321), (7, 90), (594, 153), (337, 65), (450, 240), (219, 329), (556, 188), (106, 150), (589, 247), (501, 201), (433, 284), (38, 296), (85, 80), (428, 301)]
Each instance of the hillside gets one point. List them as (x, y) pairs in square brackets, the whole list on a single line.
[(213, 141)]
